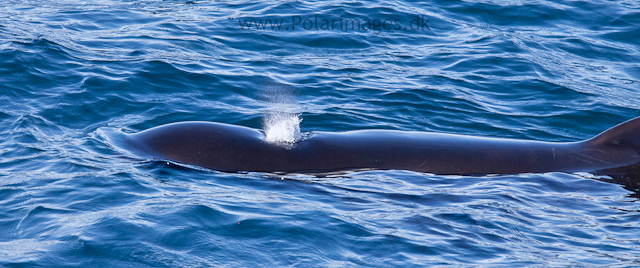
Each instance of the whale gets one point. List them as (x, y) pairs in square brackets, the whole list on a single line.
[(232, 148)]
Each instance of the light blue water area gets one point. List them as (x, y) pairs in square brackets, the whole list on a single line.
[(544, 70)]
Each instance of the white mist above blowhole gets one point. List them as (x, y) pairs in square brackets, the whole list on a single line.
[(282, 127)]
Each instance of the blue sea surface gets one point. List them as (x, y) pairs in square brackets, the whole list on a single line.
[(543, 70)]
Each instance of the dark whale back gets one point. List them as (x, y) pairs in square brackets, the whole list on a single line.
[(234, 148)]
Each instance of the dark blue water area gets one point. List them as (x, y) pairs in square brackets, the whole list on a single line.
[(543, 70)]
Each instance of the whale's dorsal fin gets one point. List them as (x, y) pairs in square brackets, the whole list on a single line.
[(624, 134)]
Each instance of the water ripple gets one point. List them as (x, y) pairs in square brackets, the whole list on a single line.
[(556, 71)]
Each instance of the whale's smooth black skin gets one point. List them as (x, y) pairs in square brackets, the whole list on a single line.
[(238, 149)]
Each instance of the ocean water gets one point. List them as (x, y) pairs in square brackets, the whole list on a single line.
[(543, 70)]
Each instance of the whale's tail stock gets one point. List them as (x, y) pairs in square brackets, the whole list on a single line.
[(624, 135)]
